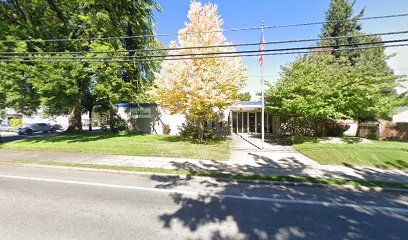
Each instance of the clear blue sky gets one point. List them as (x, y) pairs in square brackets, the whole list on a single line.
[(243, 13)]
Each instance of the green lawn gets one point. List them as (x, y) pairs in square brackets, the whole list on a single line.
[(127, 144), (381, 154)]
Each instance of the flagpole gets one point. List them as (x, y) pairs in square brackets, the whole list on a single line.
[(263, 100)]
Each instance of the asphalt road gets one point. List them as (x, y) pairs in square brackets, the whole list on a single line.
[(48, 203), (12, 136)]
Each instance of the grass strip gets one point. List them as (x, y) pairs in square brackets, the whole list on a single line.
[(126, 144), (291, 179)]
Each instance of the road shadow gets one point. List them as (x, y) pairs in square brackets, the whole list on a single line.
[(271, 220)]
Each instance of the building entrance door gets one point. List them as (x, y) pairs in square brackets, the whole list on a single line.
[(252, 122)]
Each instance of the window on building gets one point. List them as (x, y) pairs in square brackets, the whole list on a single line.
[(221, 124)]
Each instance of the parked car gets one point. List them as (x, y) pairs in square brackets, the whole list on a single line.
[(36, 127), (4, 127)]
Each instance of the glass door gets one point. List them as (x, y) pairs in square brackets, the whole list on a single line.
[(252, 123)]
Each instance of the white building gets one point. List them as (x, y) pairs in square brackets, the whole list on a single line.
[(243, 117), (401, 115)]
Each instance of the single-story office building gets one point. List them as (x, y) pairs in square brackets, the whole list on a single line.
[(242, 117)]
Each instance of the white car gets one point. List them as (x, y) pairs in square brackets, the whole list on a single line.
[(4, 127), (36, 127)]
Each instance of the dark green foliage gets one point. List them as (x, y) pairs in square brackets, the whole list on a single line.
[(119, 125), (333, 129), (192, 133), (294, 126), (341, 22), (64, 87), (355, 84), (323, 87)]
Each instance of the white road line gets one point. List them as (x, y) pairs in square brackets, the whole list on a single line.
[(99, 184), (222, 196)]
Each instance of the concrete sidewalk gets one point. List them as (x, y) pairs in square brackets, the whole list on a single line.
[(246, 158)]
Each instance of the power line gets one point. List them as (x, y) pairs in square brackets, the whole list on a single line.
[(201, 32), (277, 75), (206, 57), (212, 46), (338, 21), (218, 53)]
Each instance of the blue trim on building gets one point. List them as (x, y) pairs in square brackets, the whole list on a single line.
[(250, 103)]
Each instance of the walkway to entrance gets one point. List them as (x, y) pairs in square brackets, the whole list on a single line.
[(275, 159), (282, 160)]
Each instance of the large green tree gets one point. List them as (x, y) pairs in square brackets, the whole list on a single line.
[(62, 86), (341, 21), (355, 84), (322, 87)]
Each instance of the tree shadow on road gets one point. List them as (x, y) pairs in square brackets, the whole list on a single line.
[(258, 219)]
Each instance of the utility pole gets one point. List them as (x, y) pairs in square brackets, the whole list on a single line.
[(262, 90)]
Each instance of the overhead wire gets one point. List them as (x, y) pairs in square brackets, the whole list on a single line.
[(205, 57), (211, 46), (336, 21), (216, 53)]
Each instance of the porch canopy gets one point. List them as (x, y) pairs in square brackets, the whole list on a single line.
[(247, 107)]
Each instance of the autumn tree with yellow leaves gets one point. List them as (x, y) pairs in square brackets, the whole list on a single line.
[(199, 86)]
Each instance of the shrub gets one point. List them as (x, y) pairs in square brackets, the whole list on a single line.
[(335, 129), (118, 125), (314, 127), (300, 139), (166, 129), (192, 133)]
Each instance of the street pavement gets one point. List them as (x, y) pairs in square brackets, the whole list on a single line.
[(49, 203), (13, 136)]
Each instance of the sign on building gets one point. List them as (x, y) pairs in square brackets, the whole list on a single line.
[(140, 113)]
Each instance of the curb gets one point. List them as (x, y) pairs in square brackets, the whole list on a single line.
[(265, 182)]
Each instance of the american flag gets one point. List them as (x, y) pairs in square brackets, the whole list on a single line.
[(261, 48)]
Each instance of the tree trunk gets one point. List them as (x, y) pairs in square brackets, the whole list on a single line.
[(111, 119), (90, 121), (74, 120), (200, 131), (358, 128)]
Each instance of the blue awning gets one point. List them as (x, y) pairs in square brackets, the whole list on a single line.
[(247, 106)]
